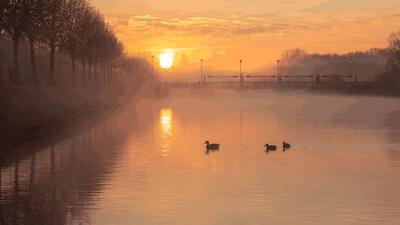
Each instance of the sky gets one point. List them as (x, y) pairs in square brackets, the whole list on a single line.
[(257, 31)]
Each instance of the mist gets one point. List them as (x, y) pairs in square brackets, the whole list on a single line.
[(179, 117)]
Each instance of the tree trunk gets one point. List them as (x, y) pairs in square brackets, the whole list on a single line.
[(1, 70), (60, 72), (33, 60), (90, 69), (110, 75), (73, 70), (107, 75), (83, 73), (51, 79), (15, 74), (95, 73), (103, 74)]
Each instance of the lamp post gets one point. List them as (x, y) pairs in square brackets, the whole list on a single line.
[(317, 77), (278, 75), (315, 67), (351, 72), (241, 74), (152, 65), (201, 70), (350, 67)]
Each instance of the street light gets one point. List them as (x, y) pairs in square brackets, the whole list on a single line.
[(316, 67), (278, 61), (241, 61), (278, 75), (152, 65), (201, 70), (350, 67), (241, 75), (317, 77)]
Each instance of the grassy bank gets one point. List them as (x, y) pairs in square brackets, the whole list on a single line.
[(31, 112)]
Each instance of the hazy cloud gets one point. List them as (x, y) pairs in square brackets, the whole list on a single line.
[(257, 29), (236, 26)]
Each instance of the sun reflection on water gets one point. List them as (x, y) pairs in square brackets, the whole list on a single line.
[(166, 121), (166, 130)]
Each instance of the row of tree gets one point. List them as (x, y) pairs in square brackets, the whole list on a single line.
[(381, 65), (391, 76), (366, 64), (72, 27)]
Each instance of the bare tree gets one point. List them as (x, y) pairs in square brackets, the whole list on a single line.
[(390, 78), (14, 23), (37, 11), (96, 33), (54, 26), (104, 56), (91, 32), (394, 47), (104, 43), (71, 26), (72, 41), (83, 33), (116, 58), (2, 14)]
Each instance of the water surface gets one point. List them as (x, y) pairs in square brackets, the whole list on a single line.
[(146, 164)]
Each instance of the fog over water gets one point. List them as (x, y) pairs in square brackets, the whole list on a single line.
[(146, 163)]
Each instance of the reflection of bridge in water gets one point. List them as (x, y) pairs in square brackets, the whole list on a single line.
[(268, 81)]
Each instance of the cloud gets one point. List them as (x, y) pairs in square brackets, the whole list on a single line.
[(236, 26), (356, 5), (229, 26), (261, 37)]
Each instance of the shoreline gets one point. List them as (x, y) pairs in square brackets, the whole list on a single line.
[(349, 91), (29, 114), (343, 90), (23, 121)]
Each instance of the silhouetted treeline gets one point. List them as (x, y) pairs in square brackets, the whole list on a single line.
[(375, 65), (391, 76), (365, 64), (58, 42)]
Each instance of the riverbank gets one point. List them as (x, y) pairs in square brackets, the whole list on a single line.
[(31, 112), (366, 89), (345, 88)]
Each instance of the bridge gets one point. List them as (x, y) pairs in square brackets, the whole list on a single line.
[(268, 81)]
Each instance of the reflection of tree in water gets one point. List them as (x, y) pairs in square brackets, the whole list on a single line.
[(357, 113), (58, 184), (392, 121), (365, 115)]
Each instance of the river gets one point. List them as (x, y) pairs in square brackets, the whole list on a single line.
[(146, 163)]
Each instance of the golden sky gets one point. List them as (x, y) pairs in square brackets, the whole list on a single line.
[(257, 31)]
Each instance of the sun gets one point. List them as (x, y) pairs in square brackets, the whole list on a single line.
[(167, 59)]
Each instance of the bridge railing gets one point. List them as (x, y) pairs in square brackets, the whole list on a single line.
[(280, 78), (302, 80)]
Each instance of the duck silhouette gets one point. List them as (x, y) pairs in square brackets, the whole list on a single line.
[(211, 146), (286, 146), (269, 147)]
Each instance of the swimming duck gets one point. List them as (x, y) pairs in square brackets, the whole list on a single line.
[(211, 146), (286, 145), (269, 147)]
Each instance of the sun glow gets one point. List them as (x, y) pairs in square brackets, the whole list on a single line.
[(166, 130), (167, 59)]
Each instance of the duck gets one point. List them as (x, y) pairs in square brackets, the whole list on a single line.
[(269, 147), (211, 146), (286, 145)]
